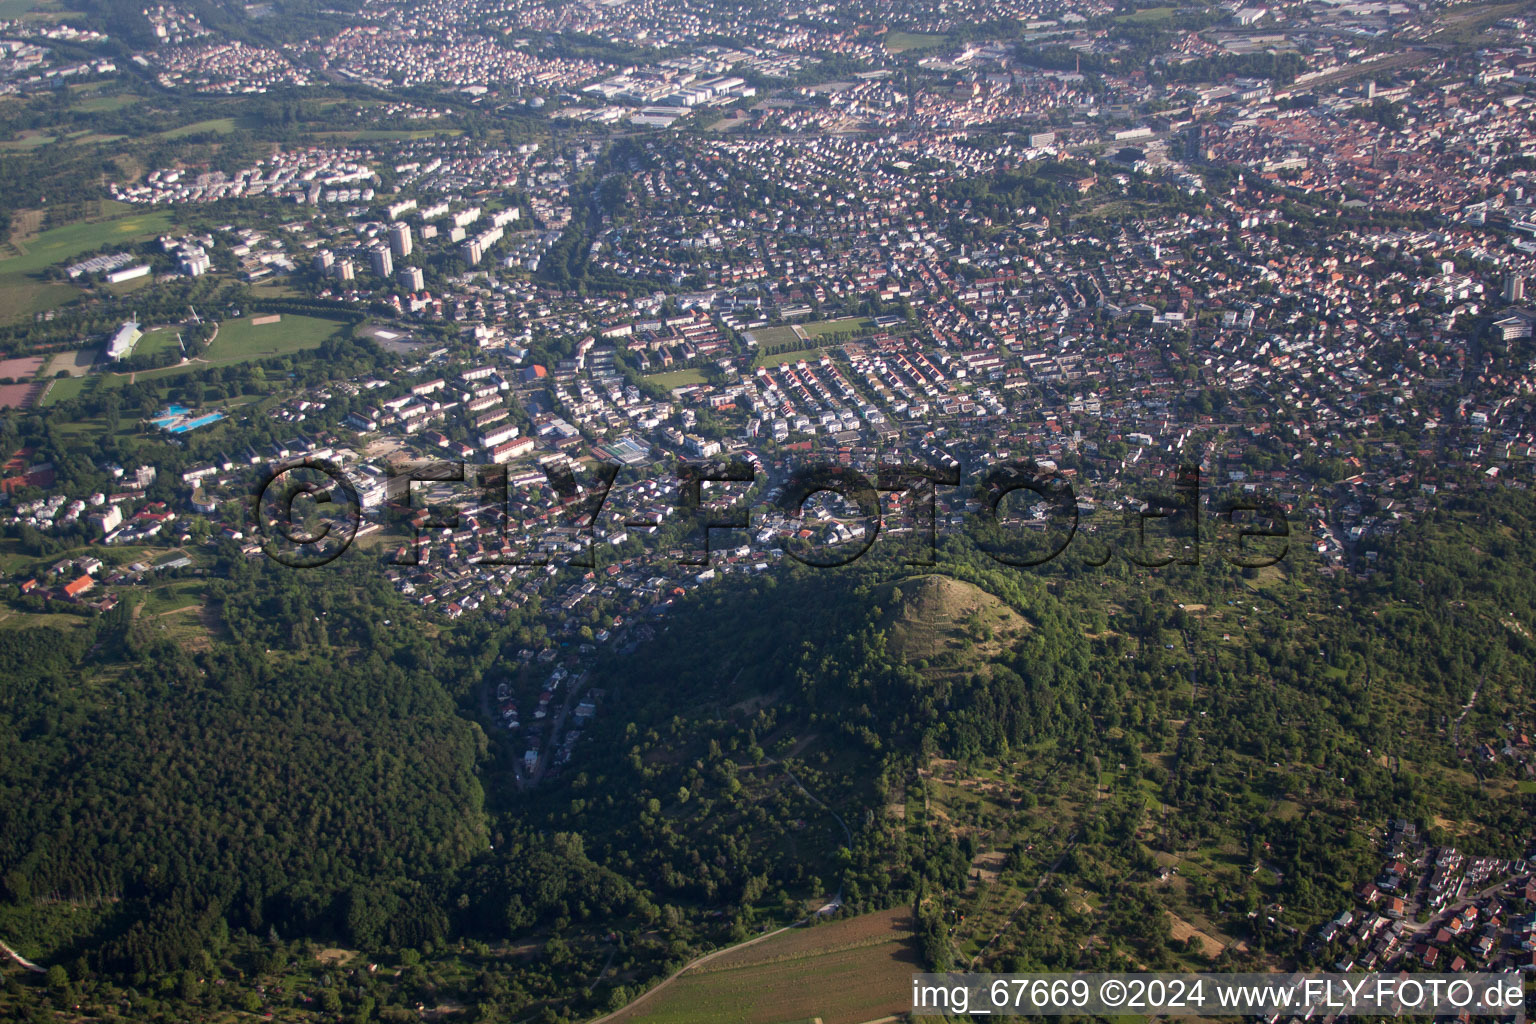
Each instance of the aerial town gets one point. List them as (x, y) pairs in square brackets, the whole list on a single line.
[(813, 275), (1430, 903)]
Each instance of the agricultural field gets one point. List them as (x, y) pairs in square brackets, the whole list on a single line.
[(217, 125), (846, 972), (173, 597), (105, 104), (32, 138), (58, 244), (178, 612), (31, 620), (23, 291), (22, 296)]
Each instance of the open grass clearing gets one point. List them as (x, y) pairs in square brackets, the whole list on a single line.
[(242, 340), (41, 250)]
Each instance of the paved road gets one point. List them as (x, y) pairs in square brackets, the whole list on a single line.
[(556, 729), (1444, 914)]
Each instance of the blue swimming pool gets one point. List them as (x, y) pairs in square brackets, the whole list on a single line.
[(169, 415), (174, 419), (193, 424)]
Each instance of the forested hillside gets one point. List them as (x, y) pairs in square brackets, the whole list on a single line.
[(948, 734), (314, 791)]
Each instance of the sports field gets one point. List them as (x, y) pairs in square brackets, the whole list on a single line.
[(156, 340), (67, 388), (677, 378), (804, 338), (900, 42), (774, 337), (1148, 15), (21, 367), (240, 340)]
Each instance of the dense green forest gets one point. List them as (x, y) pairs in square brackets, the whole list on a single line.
[(323, 777)]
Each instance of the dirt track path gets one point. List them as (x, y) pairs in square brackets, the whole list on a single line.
[(688, 967)]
